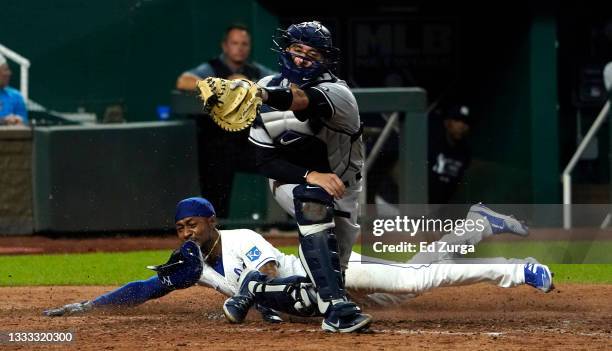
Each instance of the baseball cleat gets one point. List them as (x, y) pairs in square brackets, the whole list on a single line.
[(539, 276), (268, 315), (237, 307), (70, 309), (500, 223), (345, 317)]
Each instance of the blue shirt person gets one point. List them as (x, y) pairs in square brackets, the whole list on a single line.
[(12, 105)]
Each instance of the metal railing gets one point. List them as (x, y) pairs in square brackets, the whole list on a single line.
[(566, 177), (24, 65), (412, 102)]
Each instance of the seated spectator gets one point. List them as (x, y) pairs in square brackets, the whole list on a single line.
[(232, 63), (12, 106), (222, 154)]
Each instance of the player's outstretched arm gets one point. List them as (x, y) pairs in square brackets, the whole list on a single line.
[(131, 294), (182, 270)]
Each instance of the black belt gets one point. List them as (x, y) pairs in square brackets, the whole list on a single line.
[(344, 214)]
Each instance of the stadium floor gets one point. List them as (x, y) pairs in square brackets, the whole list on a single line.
[(574, 317)]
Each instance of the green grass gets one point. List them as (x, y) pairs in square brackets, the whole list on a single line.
[(582, 273), (574, 252), (119, 268), (79, 269)]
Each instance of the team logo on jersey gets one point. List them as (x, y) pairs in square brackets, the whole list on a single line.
[(253, 253), (165, 280)]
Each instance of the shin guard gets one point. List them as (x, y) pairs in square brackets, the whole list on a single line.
[(314, 212)]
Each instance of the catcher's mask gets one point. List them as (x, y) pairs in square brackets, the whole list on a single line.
[(313, 34)]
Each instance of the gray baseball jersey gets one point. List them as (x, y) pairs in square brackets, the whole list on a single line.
[(330, 144), (341, 134)]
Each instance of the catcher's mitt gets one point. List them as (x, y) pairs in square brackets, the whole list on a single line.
[(232, 104)]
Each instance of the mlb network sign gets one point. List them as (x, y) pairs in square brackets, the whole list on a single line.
[(394, 52)]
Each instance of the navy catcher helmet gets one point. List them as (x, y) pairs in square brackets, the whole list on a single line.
[(313, 34)]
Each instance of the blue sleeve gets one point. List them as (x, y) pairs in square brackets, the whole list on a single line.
[(203, 71), (20, 108), (133, 293)]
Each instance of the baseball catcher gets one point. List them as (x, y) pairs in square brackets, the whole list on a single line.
[(308, 143), (307, 132)]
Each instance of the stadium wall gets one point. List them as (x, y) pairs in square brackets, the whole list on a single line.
[(97, 53)]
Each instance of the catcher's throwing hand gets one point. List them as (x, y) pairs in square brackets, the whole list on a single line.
[(328, 181), (232, 104)]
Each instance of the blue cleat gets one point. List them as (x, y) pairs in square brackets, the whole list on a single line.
[(345, 317), (500, 223), (237, 307), (539, 276)]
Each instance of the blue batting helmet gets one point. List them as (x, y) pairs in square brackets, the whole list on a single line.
[(313, 34)]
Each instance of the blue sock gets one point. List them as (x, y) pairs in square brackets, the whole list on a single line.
[(134, 293)]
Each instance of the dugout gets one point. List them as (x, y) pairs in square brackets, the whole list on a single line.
[(16, 214)]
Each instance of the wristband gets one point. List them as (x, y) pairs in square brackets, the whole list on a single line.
[(279, 98)]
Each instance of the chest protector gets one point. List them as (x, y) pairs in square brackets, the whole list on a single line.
[(342, 148)]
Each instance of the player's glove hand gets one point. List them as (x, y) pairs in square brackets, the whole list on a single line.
[(232, 104), (184, 267)]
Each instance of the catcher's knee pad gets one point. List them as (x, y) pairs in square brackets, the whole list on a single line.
[(314, 212), (294, 295), (314, 208)]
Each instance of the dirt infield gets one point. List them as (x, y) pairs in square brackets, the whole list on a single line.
[(575, 317), (480, 317), (38, 244)]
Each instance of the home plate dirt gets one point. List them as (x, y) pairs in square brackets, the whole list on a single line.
[(479, 317)]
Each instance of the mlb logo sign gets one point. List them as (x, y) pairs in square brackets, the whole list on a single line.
[(253, 254)]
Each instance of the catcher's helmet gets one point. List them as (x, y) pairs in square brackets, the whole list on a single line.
[(313, 34)]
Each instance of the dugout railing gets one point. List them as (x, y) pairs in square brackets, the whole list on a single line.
[(412, 103)]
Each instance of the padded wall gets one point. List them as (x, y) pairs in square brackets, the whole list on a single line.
[(112, 177)]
